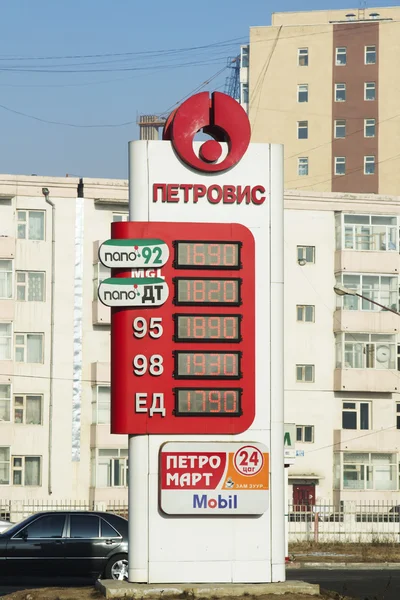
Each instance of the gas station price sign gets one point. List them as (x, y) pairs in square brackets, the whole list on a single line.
[(182, 361)]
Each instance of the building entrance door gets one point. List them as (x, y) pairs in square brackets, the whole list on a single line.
[(304, 495)]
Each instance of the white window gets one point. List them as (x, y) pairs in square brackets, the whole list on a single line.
[(245, 93), (5, 341), (5, 279), (367, 232), (30, 224), (305, 434), (5, 401), (100, 272), (383, 289), (340, 165), (356, 414), (369, 90), (302, 165), (302, 130), (306, 254), (340, 129), (302, 57), (244, 56), (302, 92), (365, 351), (370, 55), (369, 127), (340, 92), (26, 470), (369, 165), (31, 286), (28, 409), (29, 347), (101, 404), (366, 471), (305, 312), (5, 465), (120, 217), (341, 56), (111, 467), (305, 373)]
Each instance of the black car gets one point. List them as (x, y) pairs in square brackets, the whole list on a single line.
[(64, 543)]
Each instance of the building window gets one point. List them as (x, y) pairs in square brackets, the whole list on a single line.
[(30, 286), (397, 416), (356, 415), (120, 217), (5, 341), (369, 165), (26, 470), (340, 129), (29, 347), (370, 55), (306, 254), (5, 465), (379, 288), (302, 165), (302, 57), (366, 232), (365, 351), (30, 224), (340, 92), (5, 401), (302, 92), (305, 312), (305, 373), (302, 130), (340, 165), (368, 471), (305, 434), (244, 56), (369, 90), (341, 56), (28, 409), (101, 404), (369, 127), (5, 279), (245, 93), (112, 468), (100, 272)]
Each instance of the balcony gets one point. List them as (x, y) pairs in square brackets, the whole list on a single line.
[(366, 380), (101, 314), (7, 247), (367, 321), (352, 440), (356, 261)]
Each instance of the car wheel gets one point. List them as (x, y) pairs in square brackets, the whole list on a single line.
[(117, 567)]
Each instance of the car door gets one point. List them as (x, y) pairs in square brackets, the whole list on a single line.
[(38, 548)]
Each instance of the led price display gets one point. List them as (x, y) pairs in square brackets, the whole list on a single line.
[(207, 255), (204, 402), (207, 328), (207, 365), (209, 292)]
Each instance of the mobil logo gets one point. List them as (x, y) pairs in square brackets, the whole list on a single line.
[(222, 118), (205, 501)]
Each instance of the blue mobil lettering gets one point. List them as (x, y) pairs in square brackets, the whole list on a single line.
[(203, 501)]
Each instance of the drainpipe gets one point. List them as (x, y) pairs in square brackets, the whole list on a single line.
[(46, 194)]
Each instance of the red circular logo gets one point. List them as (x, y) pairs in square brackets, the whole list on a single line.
[(222, 118)]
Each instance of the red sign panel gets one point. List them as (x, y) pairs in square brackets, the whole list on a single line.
[(187, 365)]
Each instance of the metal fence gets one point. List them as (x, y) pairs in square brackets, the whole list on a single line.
[(348, 522), (16, 510)]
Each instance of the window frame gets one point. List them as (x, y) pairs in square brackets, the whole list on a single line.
[(368, 123), (338, 53), (301, 127), (366, 83), (357, 232), (303, 367), (7, 462), (96, 458), (244, 57), (301, 55), (365, 471), (368, 162), (9, 280), (25, 222), (349, 349), (367, 51), (300, 91), (96, 403), (25, 346), (342, 89), (397, 415), (300, 165), (340, 123), (303, 256), (7, 399), (244, 92), (340, 160), (303, 308), (25, 285), (302, 430), (25, 398), (98, 267), (10, 337), (357, 303), (22, 469), (357, 411)]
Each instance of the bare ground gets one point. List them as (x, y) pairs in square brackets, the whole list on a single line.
[(336, 552)]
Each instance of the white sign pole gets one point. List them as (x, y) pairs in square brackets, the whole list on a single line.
[(138, 470)]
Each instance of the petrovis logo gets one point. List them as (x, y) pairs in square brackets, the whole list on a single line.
[(222, 118), (203, 501)]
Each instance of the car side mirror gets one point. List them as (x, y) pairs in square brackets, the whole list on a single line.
[(24, 535)]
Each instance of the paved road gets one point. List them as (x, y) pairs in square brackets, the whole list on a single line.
[(365, 585)]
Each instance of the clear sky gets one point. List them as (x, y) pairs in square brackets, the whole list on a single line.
[(150, 54)]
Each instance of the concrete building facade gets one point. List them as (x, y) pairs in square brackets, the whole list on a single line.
[(325, 84)]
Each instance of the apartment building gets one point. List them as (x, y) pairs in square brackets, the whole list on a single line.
[(326, 85), (341, 362)]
